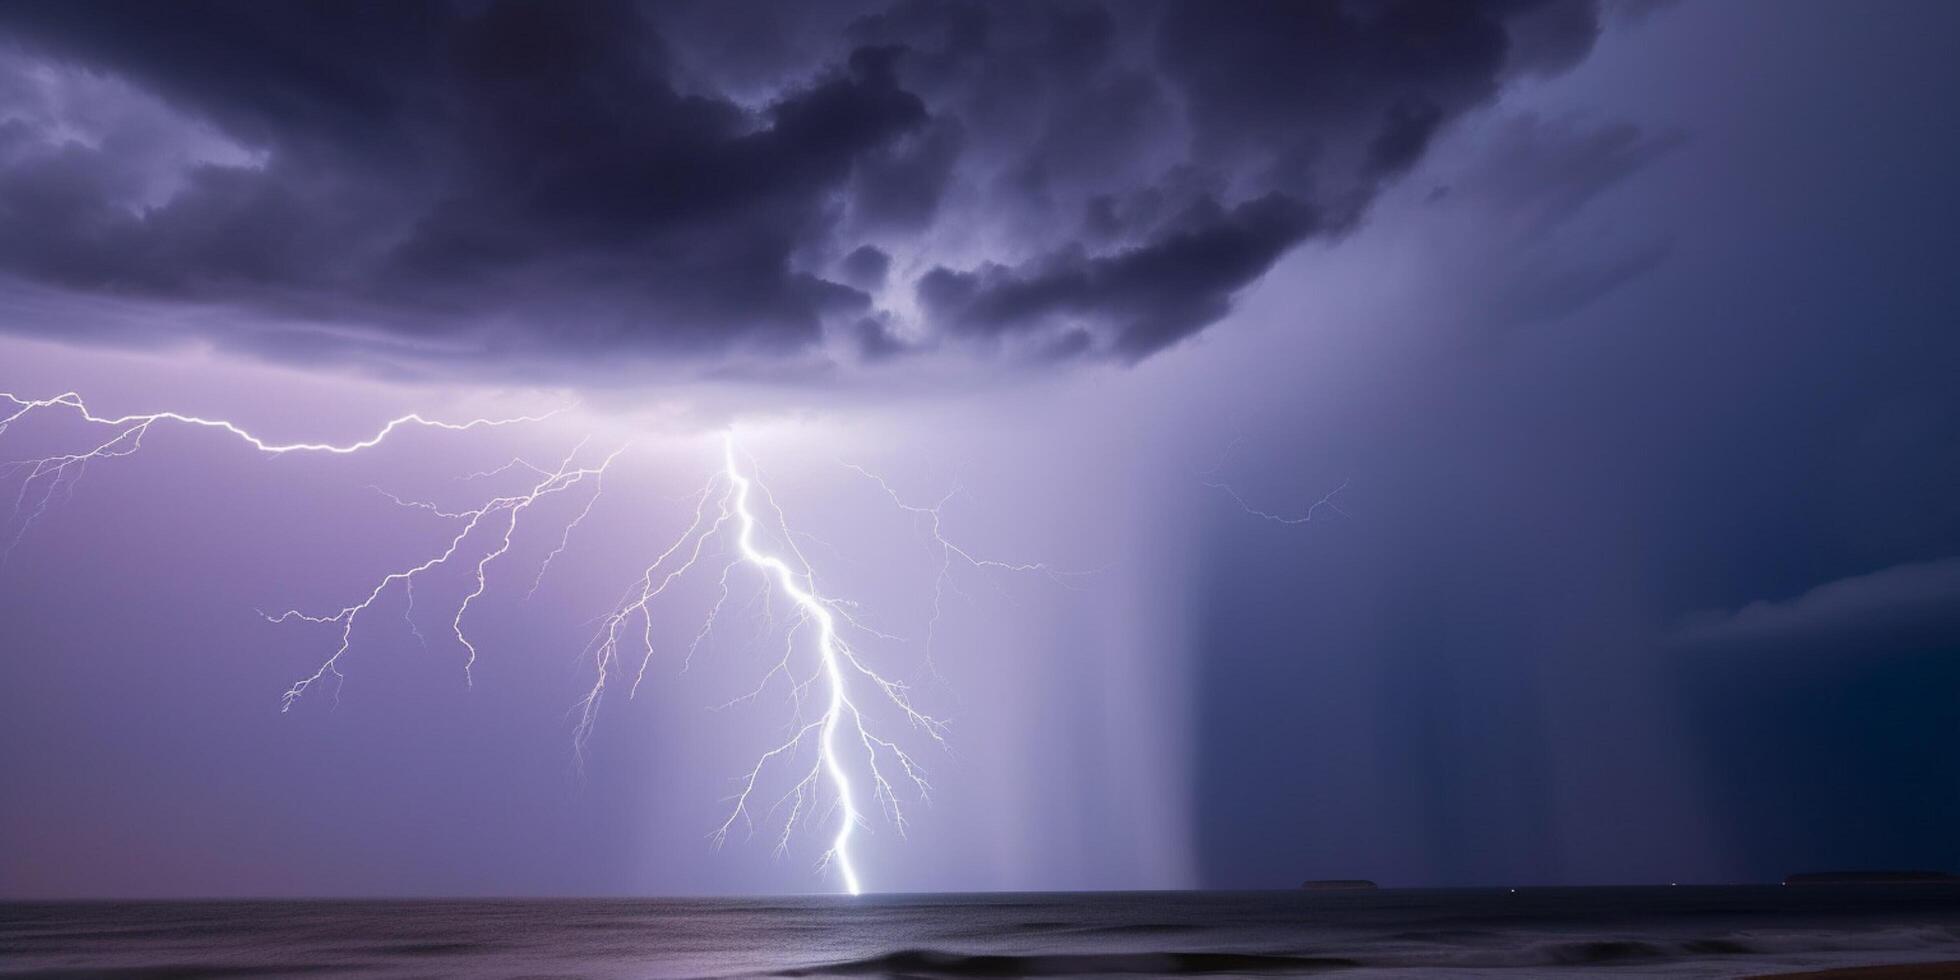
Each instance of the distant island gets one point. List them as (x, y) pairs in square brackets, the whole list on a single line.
[(1338, 885), (1873, 878)]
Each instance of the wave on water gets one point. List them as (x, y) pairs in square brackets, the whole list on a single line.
[(937, 963), (1578, 933)]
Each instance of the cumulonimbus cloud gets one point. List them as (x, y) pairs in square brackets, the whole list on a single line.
[(533, 188)]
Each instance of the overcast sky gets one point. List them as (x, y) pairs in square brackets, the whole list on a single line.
[(1619, 340)]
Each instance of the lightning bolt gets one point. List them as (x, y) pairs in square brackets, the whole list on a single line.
[(831, 683), (501, 516), (41, 478), (842, 735), (137, 423), (949, 553), (831, 652), (1209, 477)]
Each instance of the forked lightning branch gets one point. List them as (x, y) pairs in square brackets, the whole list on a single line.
[(849, 754)]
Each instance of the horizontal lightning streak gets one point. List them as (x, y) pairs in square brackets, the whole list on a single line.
[(1209, 478), (73, 400), (59, 472)]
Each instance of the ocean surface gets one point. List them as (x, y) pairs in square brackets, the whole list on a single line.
[(1620, 932)]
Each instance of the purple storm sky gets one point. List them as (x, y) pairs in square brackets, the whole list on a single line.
[(1627, 327)]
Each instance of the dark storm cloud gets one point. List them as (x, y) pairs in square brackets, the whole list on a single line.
[(544, 187), (1147, 296)]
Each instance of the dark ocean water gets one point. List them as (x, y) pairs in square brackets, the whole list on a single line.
[(1622, 932)]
